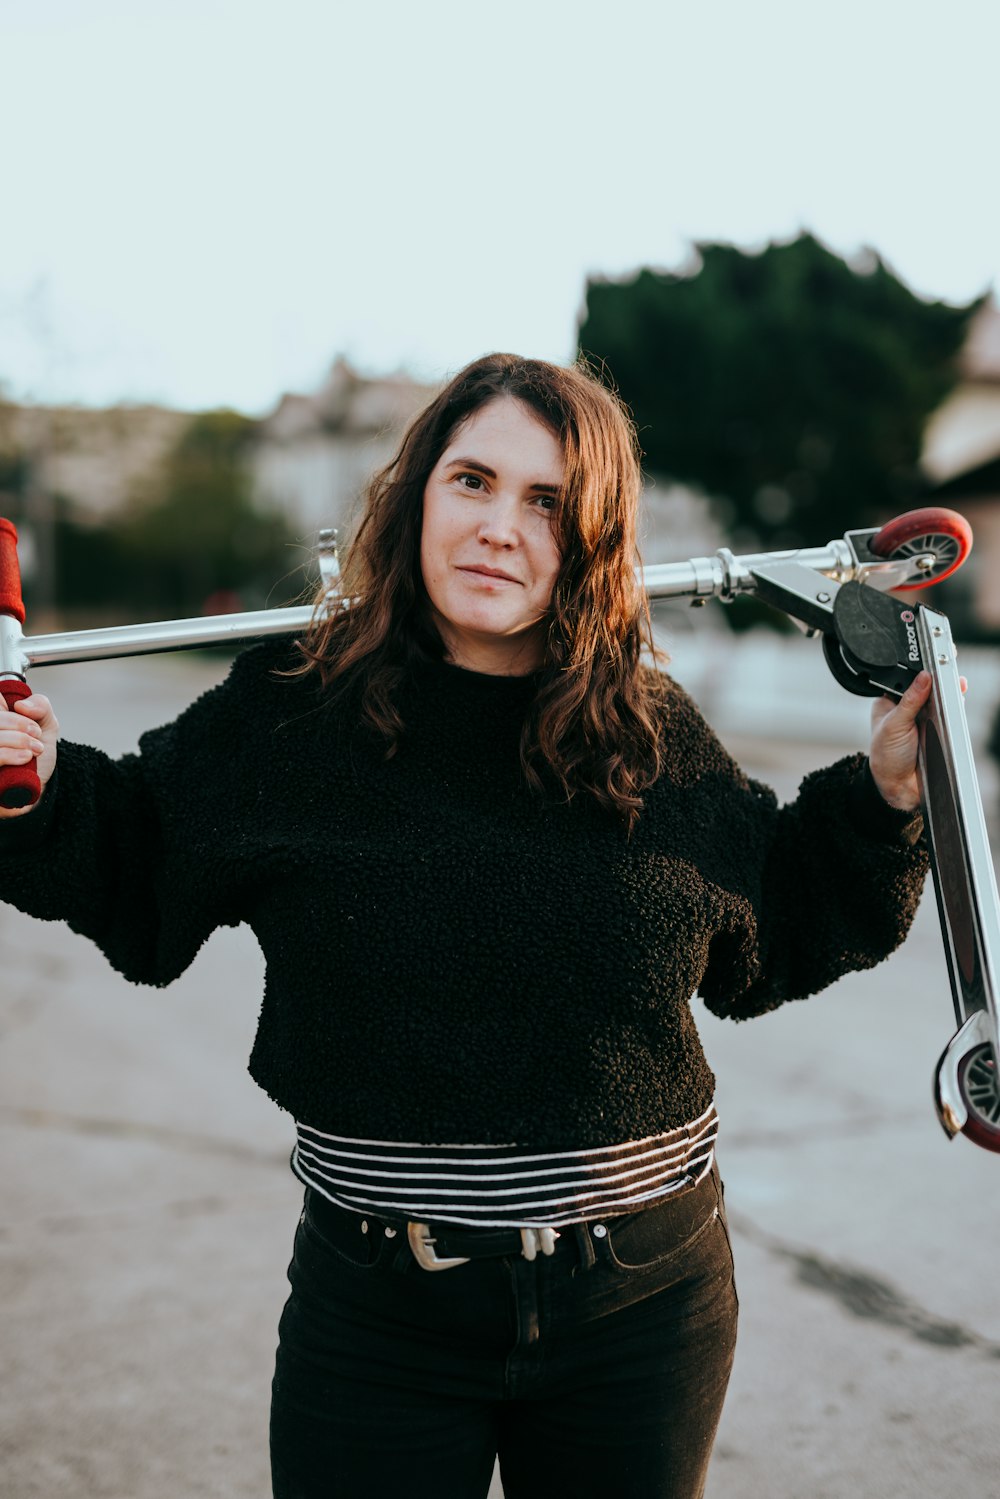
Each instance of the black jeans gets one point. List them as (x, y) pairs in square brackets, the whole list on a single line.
[(601, 1369)]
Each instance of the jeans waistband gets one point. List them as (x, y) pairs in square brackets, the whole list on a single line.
[(443, 1245)]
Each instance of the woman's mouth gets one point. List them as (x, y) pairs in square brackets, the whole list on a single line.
[(489, 574)]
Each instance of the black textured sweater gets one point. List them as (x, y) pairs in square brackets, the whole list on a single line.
[(450, 958)]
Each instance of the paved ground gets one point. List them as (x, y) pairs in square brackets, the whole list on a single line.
[(148, 1211)]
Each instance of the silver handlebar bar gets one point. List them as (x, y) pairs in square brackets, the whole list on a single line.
[(721, 576)]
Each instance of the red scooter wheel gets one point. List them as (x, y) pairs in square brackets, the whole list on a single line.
[(977, 1080), (943, 533)]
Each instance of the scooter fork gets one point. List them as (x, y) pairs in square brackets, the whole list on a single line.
[(966, 1095), (875, 644)]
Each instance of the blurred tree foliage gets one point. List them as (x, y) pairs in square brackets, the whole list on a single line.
[(194, 535), (790, 386)]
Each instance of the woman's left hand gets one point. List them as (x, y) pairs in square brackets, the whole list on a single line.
[(893, 753)]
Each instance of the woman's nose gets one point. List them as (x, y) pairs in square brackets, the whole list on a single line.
[(498, 525)]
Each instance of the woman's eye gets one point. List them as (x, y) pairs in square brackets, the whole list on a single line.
[(546, 501), (470, 481)]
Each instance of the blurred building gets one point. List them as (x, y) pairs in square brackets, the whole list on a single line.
[(76, 464), (315, 453), (676, 522), (92, 458), (962, 460)]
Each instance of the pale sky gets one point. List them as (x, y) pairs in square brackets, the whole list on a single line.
[(204, 201)]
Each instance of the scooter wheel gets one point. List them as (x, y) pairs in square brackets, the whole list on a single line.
[(977, 1080), (944, 533)]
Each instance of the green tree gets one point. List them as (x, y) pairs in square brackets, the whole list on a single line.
[(792, 387), (195, 532)]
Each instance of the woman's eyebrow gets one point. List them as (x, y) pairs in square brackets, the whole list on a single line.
[(475, 466)]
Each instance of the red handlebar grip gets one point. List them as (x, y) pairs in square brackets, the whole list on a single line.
[(19, 784), (10, 574)]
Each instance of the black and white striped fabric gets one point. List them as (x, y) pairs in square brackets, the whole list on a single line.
[(503, 1186)]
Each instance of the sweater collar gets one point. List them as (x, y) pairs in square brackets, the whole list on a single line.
[(459, 679), (463, 696)]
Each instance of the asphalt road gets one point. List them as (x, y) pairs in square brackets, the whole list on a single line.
[(148, 1211)]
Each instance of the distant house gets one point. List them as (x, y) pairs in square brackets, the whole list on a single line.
[(961, 459), (676, 522), (73, 463), (92, 458), (314, 454)]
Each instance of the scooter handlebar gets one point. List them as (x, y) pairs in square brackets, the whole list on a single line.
[(11, 601)]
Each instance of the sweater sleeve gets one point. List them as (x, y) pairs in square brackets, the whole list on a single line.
[(136, 853), (821, 887)]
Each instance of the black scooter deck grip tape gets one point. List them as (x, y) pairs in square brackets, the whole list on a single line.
[(10, 574), (19, 784)]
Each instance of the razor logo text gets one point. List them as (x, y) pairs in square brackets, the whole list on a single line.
[(912, 644)]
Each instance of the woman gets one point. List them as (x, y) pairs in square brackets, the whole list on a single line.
[(490, 855)]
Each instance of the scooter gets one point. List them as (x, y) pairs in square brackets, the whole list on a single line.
[(854, 593)]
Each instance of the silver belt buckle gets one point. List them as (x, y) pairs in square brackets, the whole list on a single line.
[(422, 1245)]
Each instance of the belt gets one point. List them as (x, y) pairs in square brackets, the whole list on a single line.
[(444, 1246)]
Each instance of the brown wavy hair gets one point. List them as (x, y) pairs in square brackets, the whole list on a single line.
[(595, 722)]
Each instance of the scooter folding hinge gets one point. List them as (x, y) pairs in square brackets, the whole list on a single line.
[(799, 591)]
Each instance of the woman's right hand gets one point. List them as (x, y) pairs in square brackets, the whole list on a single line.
[(31, 729)]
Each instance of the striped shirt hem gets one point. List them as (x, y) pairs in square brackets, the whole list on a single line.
[(494, 1186)]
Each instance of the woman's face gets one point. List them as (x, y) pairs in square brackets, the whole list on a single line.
[(488, 551)]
